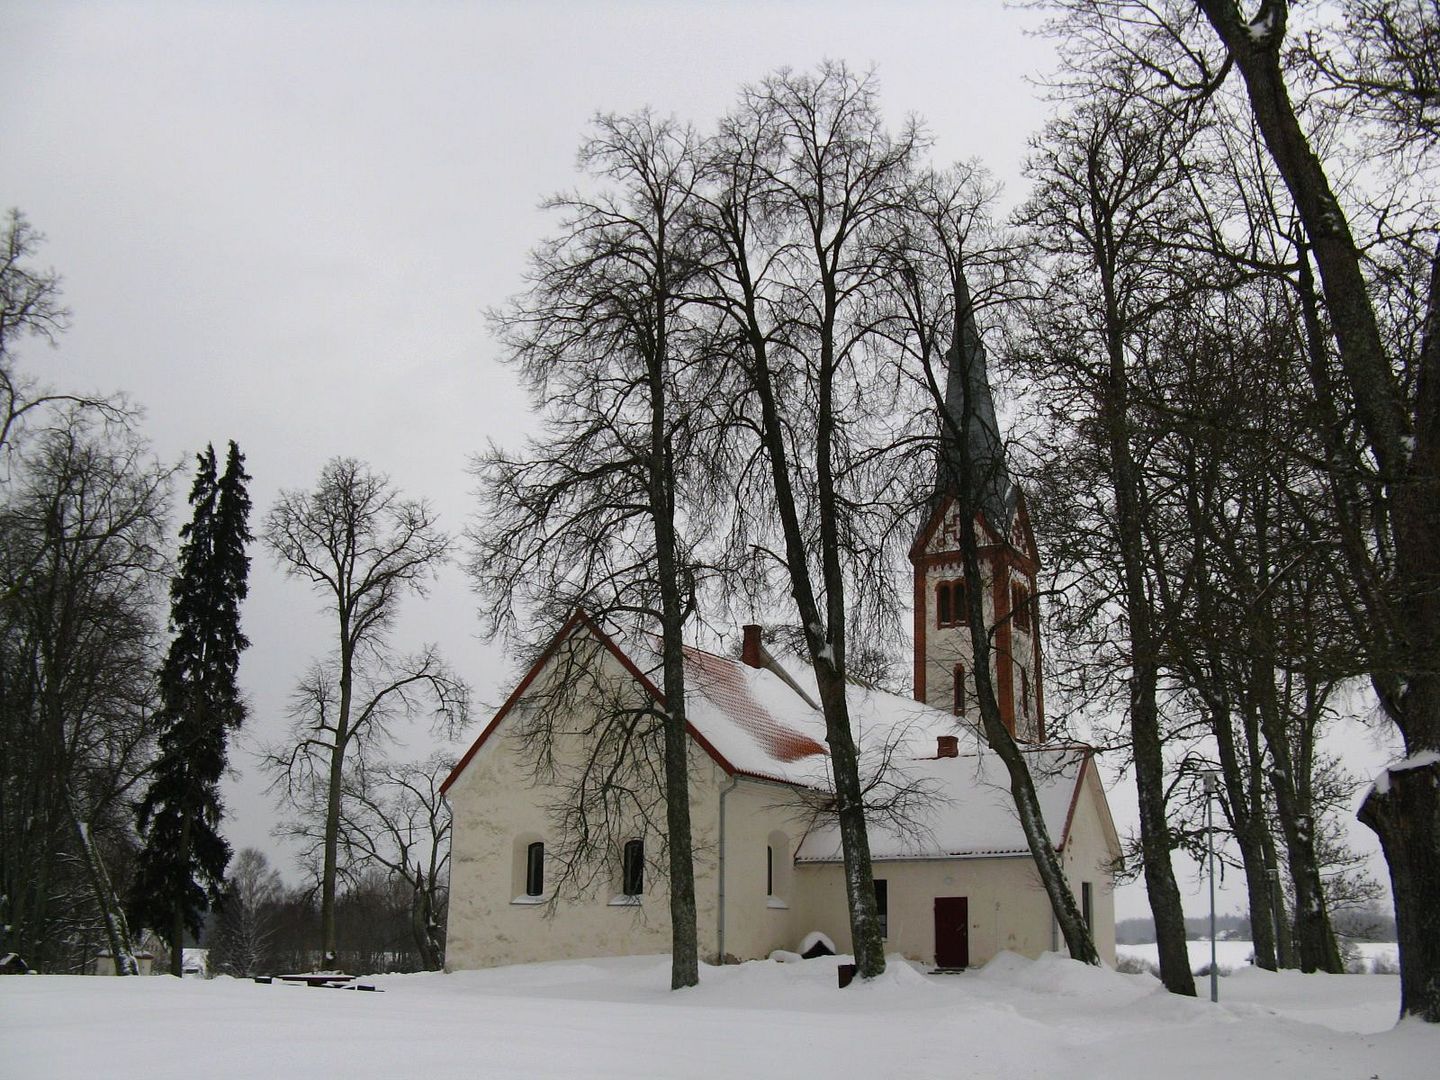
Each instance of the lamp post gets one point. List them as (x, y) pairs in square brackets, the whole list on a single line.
[(1212, 786)]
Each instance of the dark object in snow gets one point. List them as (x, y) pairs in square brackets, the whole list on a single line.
[(819, 948), (318, 978), (846, 972), (11, 964), (330, 980)]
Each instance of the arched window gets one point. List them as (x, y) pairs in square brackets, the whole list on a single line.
[(535, 869), (950, 603), (632, 869), (527, 868), (1020, 607), (959, 689)]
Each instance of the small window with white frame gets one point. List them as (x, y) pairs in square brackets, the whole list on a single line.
[(535, 869), (527, 869), (632, 868)]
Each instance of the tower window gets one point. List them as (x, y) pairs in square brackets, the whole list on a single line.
[(1024, 693), (959, 689), (1020, 607), (950, 603), (535, 869)]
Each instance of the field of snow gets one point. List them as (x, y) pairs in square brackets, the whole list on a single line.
[(1369, 956), (617, 1018)]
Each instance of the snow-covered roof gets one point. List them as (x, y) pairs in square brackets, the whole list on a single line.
[(763, 722), (967, 811), (754, 720)]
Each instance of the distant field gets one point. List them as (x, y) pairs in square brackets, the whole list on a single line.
[(1369, 956)]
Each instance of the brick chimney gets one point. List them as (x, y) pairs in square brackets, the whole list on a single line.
[(750, 647), (947, 746)]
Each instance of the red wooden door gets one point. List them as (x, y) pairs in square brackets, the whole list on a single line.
[(952, 931)]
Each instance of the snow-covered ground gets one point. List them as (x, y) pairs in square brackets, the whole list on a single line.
[(1367, 956), (617, 1018)]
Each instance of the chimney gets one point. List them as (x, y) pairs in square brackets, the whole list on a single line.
[(947, 746), (750, 647)]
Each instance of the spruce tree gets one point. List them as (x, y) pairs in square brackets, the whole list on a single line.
[(181, 870)]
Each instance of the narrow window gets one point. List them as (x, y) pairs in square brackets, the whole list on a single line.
[(632, 878), (882, 905), (535, 869), (959, 689), (1024, 693), (1087, 906), (769, 870), (950, 603), (1020, 605)]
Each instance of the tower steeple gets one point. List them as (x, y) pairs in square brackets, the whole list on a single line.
[(969, 433), (971, 470)]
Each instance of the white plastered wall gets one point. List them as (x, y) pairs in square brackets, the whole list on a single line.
[(498, 810), (1090, 852), (1007, 905)]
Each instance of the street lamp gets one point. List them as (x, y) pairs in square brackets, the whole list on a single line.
[(1212, 787)]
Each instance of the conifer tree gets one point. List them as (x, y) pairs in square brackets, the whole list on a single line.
[(181, 870)]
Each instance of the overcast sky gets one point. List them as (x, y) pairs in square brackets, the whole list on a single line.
[(281, 223)]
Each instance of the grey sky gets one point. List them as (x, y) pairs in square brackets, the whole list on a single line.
[(282, 222)]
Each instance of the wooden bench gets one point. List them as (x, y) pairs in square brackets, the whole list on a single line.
[(334, 980)]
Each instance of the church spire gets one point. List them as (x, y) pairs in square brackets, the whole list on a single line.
[(970, 414)]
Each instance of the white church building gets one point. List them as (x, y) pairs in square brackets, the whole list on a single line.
[(954, 877), (955, 880)]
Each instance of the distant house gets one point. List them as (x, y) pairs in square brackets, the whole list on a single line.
[(954, 876), (104, 963)]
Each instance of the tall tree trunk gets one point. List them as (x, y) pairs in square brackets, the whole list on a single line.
[(1247, 826), (1147, 741), (422, 922), (1405, 816), (177, 914), (826, 646), (684, 933), (335, 782), (1318, 951), (1403, 812), (117, 930), (1067, 914)]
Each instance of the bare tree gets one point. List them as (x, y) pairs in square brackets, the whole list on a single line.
[(29, 307), (1109, 211), (594, 513), (394, 817), (82, 569), (1401, 432), (947, 237), (803, 182), (246, 922), (362, 546)]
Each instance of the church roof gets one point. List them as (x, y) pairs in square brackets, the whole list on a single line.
[(762, 722), (967, 811)]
